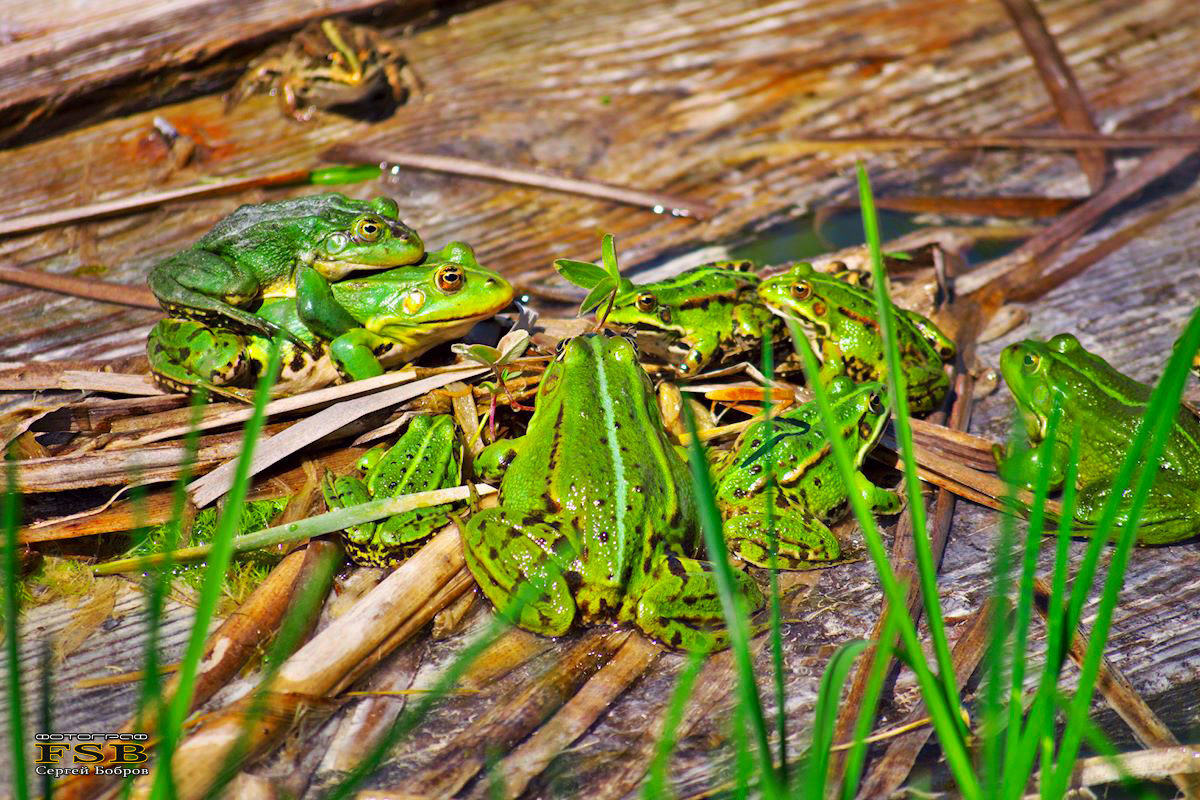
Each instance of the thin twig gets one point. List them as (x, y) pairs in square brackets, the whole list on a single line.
[(116, 293), (1072, 108), (659, 203)]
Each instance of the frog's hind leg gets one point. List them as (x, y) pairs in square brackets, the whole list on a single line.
[(680, 605), (701, 349), (186, 355), (180, 282), (801, 541), (504, 551), (881, 501)]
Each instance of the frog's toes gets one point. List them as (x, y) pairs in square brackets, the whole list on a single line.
[(681, 607), (799, 541)]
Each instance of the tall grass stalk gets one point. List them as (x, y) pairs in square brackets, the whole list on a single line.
[(656, 777), (12, 610), (926, 568), (731, 605), (825, 714), (856, 758), (171, 722)]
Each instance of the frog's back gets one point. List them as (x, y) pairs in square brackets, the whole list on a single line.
[(255, 221)]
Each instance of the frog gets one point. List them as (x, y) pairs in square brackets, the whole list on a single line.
[(702, 311), (597, 505), (328, 64), (1103, 408), (391, 317), (811, 494), (253, 254), (842, 319), (424, 458)]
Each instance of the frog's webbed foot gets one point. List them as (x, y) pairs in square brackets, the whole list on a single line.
[(501, 553), (681, 608), (186, 355), (801, 541)]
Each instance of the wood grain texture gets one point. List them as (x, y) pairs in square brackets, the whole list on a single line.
[(669, 97)]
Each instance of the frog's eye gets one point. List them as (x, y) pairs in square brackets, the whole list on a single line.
[(646, 302), (876, 404), (560, 347), (450, 278), (801, 290), (1031, 362), (368, 229)]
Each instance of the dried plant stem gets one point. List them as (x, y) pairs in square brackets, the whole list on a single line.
[(116, 293), (675, 205), (308, 676)]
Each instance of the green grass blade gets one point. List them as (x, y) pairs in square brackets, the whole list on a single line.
[(46, 715), (731, 605), (776, 608), (656, 777), (926, 568), (1146, 448), (857, 756), (171, 722), (829, 697), (12, 612)]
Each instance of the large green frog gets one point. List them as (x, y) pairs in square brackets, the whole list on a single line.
[(1103, 408), (423, 459), (253, 254), (811, 493), (842, 319), (394, 316), (710, 308), (597, 504)]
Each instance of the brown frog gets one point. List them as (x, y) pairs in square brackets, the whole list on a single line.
[(327, 64)]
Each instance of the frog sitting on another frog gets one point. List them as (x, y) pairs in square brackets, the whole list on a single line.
[(598, 507), (327, 64), (1103, 408), (253, 254), (842, 319), (423, 459), (709, 308), (810, 493), (389, 318)]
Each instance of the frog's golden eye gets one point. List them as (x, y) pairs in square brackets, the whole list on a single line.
[(1031, 362), (369, 229), (450, 278), (801, 290), (646, 302), (876, 405)]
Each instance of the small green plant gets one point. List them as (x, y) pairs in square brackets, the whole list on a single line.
[(604, 283)]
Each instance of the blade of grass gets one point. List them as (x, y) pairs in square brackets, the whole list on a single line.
[(12, 611), (857, 757), (1146, 447), (926, 569), (776, 610), (656, 778), (46, 717), (829, 696), (731, 606), (1024, 609), (171, 722)]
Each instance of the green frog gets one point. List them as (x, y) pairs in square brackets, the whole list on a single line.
[(253, 254), (598, 505), (1103, 408), (706, 309), (810, 493), (392, 317), (842, 319), (423, 459)]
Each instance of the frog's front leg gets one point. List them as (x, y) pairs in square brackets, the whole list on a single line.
[(504, 550), (200, 285), (356, 353), (495, 458), (316, 306), (1023, 467), (701, 348), (881, 501), (680, 605), (944, 346), (801, 540)]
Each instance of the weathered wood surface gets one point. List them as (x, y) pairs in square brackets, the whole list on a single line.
[(665, 96)]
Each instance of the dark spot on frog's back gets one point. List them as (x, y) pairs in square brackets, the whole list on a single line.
[(676, 637), (676, 567), (297, 362)]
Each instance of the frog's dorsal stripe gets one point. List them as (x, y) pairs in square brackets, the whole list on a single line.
[(723, 298), (620, 487), (868, 321)]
